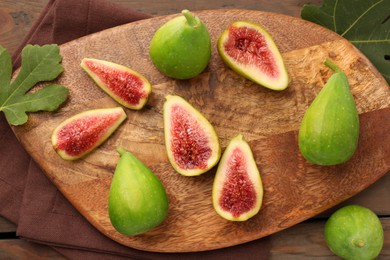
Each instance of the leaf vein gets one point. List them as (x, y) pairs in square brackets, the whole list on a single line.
[(334, 16), (360, 17), (30, 75)]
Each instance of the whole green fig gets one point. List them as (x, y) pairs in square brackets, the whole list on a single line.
[(137, 200), (181, 48), (329, 130)]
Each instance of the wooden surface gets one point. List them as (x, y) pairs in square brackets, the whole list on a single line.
[(294, 190), (300, 241)]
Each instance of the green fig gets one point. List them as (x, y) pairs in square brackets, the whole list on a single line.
[(137, 200), (329, 130), (181, 48), (354, 232)]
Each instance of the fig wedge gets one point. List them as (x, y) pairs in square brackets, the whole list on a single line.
[(80, 134), (248, 49), (192, 144), (128, 87), (237, 188)]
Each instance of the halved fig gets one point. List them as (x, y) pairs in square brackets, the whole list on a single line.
[(81, 133), (249, 50), (237, 188), (128, 87), (192, 144)]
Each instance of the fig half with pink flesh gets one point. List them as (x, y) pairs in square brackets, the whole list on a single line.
[(237, 188), (81, 133), (128, 87), (191, 141), (249, 50)]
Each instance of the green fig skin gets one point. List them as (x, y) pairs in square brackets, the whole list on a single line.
[(329, 130), (137, 200), (181, 48)]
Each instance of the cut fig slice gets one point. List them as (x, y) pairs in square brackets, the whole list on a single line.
[(128, 87), (80, 134), (249, 50), (237, 188), (192, 144)]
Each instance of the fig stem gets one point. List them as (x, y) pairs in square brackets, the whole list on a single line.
[(190, 17), (121, 150), (330, 64)]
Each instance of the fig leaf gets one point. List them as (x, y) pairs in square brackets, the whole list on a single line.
[(364, 23), (39, 63)]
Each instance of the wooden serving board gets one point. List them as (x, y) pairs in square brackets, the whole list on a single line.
[(294, 190)]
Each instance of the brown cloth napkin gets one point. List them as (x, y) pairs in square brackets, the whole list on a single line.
[(29, 199)]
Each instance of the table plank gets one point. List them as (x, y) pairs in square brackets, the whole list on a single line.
[(303, 241), (22, 249), (6, 226), (376, 197), (16, 19), (13, 248)]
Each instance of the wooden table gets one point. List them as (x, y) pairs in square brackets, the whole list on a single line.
[(304, 240)]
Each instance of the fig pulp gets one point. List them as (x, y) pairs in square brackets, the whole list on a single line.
[(181, 48), (329, 130), (137, 201), (237, 188), (126, 86), (80, 134), (191, 141), (249, 50)]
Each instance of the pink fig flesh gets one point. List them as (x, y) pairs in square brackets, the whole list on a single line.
[(238, 193), (249, 49), (80, 134), (128, 87), (237, 187), (191, 142)]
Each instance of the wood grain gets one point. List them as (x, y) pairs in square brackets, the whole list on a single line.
[(16, 19), (294, 189)]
